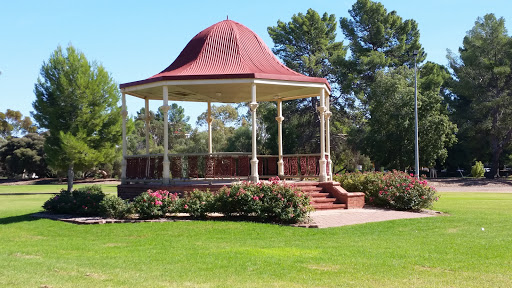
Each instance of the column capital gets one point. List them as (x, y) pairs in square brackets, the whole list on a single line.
[(165, 108), (321, 109), (253, 106), (279, 119), (328, 114), (209, 120), (124, 113)]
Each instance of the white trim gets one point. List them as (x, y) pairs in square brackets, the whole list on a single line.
[(144, 86)]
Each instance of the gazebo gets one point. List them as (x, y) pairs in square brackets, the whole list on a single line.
[(227, 63)]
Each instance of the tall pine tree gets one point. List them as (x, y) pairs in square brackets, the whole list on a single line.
[(77, 101)]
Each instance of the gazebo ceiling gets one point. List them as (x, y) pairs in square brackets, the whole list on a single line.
[(220, 64)]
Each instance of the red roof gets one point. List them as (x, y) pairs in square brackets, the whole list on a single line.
[(227, 50)]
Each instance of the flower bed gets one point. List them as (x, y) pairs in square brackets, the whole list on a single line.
[(395, 190), (275, 202)]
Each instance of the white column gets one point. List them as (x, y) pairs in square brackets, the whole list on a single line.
[(165, 109), (124, 113), (254, 161), (321, 110), (146, 119), (279, 119), (209, 120), (328, 114), (146, 128)]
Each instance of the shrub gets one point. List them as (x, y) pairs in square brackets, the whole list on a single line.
[(115, 207), (268, 202), (198, 203), (395, 190), (477, 170), (152, 205), (83, 201)]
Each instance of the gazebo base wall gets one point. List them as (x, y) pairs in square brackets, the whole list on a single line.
[(324, 195), (130, 191)]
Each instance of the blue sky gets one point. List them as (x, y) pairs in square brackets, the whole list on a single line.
[(134, 40)]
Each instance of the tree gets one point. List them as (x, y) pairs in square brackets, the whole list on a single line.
[(377, 40), (77, 101), (390, 132), (306, 44), (482, 87), (178, 129), (12, 123), (24, 155), (223, 119)]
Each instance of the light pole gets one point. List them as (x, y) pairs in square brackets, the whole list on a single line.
[(416, 146)]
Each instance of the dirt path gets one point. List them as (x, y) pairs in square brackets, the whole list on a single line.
[(471, 185)]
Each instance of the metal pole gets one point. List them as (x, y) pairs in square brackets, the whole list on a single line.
[(416, 146)]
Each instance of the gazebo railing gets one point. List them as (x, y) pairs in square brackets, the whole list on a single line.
[(224, 165)]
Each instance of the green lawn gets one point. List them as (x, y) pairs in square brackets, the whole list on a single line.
[(446, 251), (49, 188)]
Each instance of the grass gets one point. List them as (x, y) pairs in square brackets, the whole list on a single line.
[(49, 188), (445, 251)]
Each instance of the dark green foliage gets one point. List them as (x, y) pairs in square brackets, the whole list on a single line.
[(395, 190), (378, 39), (306, 44), (24, 155), (482, 91), (83, 201), (389, 137), (114, 207), (177, 125), (77, 101)]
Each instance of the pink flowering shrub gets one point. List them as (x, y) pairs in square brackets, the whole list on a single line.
[(198, 203), (269, 202), (155, 204), (395, 190)]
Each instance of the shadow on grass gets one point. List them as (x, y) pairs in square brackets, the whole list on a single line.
[(18, 219)]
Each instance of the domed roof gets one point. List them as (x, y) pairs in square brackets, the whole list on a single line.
[(229, 56), (226, 48)]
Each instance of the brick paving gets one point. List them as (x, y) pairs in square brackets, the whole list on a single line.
[(342, 217)]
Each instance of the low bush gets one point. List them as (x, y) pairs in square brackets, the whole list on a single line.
[(152, 205), (198, 203), (478, 170), (83, 201), (395, 190), (269, 202), (115, 207)]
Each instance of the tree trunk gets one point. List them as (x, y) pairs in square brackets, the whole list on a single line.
[(495, 164), (71, 175)]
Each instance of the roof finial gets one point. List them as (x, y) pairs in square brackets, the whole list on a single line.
[(227, 17)]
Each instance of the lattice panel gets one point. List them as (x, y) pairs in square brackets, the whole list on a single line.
[(225, 166), (243, 166), (209, 167), (303, 165), (313, 165), (293, 166), (193, 169), (272, 166), (286, 167), (176, 167)]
